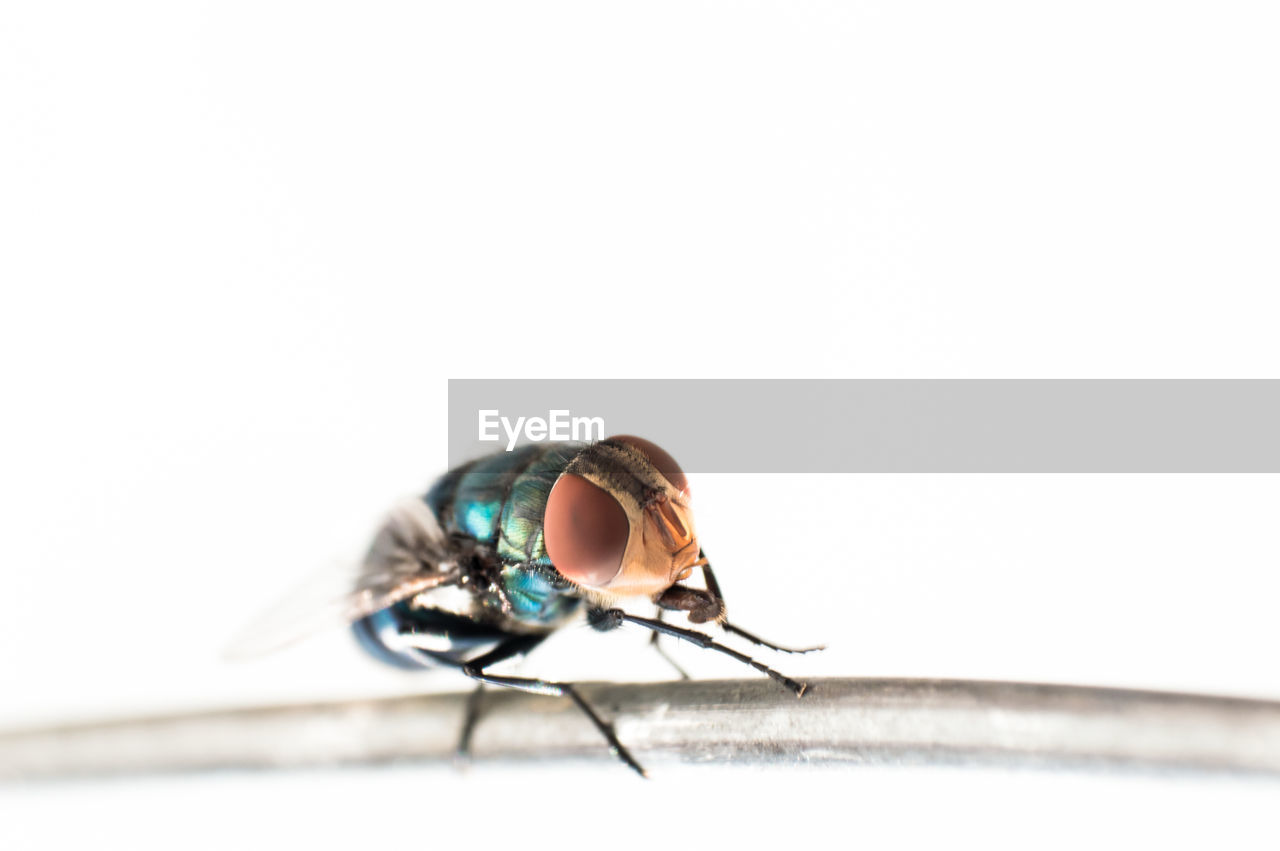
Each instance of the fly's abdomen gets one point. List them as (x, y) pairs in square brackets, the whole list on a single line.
[(410, 637)]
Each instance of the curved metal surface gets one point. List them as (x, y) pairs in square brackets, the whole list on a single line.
[(840, 721)]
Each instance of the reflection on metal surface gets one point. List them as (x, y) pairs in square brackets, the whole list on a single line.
[(750, 721)]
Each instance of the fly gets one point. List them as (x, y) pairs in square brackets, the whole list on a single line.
[(504, 550)]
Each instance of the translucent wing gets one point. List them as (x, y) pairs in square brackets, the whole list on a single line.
[(409, 555)]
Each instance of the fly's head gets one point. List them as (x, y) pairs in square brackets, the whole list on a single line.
[(619, 522)]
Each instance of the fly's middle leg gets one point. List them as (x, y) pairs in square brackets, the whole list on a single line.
[(516, 646), (654, 642), (605, 620)]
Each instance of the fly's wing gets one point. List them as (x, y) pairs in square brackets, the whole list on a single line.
[(409, 555)]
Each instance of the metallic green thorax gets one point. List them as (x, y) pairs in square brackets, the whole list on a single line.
[(499, 501)]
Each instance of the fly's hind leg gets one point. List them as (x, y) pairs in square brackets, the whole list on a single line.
[(462, 756), (471, 713), (523, 644)]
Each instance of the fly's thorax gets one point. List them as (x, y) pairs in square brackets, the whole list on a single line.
[(619, 521)]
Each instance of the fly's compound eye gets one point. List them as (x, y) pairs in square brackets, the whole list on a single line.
[(585, 530), (659, 458)]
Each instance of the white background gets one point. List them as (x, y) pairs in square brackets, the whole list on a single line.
[(243, 246)]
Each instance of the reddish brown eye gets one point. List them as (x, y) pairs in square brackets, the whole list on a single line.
[(585, 531), (659, 458)]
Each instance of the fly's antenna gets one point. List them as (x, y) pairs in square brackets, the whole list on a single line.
[(713, 588)]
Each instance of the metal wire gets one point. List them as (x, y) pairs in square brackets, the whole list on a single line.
[(838, 721)]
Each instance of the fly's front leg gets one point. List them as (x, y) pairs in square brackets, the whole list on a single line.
[(471, 714), (713, 593), (617, 617), (476, 670)]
